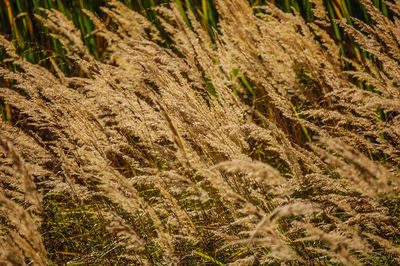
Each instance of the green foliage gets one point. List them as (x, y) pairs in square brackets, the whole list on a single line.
[(74, 230)]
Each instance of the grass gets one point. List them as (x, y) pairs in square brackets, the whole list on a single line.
[(76, 230), (37, 46)]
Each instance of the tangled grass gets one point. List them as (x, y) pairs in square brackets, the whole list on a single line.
[(263, 145)]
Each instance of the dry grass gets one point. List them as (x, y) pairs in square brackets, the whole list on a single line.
[(256, 148)]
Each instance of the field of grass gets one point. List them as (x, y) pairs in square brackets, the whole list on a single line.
[(200, 132)]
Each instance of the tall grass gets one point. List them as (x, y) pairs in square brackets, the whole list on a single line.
[(36, 45), (200, 132)]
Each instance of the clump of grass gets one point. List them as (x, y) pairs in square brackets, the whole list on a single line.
[(77, 233), (249, 141)]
